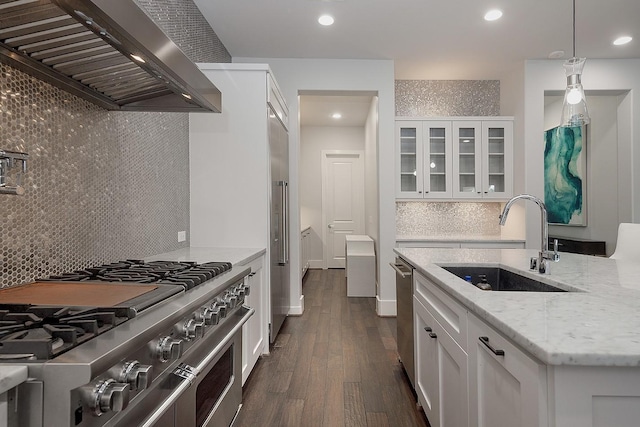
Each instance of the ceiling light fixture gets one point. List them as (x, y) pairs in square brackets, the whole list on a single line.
[(326, 20), (622, 40), (574, 107), (492, 15), (336, 115)]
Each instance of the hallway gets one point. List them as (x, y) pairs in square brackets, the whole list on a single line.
[(336, 365)]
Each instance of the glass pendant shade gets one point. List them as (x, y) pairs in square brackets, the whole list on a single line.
[(574, 107)]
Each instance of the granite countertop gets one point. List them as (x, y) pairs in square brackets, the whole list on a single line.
[(456, 238), (597, 324), (236, 256)]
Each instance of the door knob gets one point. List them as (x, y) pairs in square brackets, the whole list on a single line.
[(330, 225)]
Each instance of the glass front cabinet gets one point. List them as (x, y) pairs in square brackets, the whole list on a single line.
[(460, 159), (423, 159)]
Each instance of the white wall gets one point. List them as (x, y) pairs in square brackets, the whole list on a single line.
[(602, 204), (376, 77), (604, 77), (370, 176), (314, 139)]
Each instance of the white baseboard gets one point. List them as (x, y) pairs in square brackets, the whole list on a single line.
[(315, 263), (385, 308), (297, 310)]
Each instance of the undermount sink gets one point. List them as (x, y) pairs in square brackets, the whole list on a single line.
[(502, 280)]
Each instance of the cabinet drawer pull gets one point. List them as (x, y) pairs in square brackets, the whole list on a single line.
[(431, 333), (485, 341)]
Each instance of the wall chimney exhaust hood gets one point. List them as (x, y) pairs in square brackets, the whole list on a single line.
[(108, 52)]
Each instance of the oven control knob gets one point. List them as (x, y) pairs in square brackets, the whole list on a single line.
[(168, 348), (221, 306), (109, 395), (207, 315), (192, 329), (231, 300), (246, 289), (136, 375)]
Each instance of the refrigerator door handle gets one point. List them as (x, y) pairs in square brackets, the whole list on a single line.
[(284, 223)]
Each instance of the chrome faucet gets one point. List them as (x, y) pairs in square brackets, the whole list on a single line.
[(544, 256)]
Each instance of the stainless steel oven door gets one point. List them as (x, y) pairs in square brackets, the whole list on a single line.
[(215, 395), (205, 388)]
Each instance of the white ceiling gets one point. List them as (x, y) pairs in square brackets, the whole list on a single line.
[(427, 39), (317, 110)]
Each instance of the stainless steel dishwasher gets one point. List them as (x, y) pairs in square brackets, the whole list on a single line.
[(404, 319)]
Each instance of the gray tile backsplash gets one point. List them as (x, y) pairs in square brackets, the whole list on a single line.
[(101, 186), (434, 98), (447, 219)]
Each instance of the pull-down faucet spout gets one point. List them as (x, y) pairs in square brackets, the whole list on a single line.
[(544, 255)]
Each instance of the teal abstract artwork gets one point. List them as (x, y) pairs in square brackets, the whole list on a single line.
[(565, 175)]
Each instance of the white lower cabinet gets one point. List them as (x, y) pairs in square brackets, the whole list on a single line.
[(507, 388), (469, 374), (441, 363), (255, 332)]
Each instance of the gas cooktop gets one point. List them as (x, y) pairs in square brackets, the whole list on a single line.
[(46, 329)]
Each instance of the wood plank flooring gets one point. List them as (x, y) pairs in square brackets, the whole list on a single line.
[(336, 365)]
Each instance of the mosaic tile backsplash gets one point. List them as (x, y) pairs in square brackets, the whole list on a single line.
[(101, 186), (447, 219), (444, 98)]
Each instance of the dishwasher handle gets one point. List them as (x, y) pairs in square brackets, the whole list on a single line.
[(403, 274)]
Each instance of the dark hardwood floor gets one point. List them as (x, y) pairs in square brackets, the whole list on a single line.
[(336, 365)]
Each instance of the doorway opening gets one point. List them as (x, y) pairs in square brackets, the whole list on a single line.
[(338, 192)]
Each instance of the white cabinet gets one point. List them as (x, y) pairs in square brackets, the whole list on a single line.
[(441, 360), (483, 159), (423, 159), (459, 158), (255, 332), (507, 388), (305, 242)]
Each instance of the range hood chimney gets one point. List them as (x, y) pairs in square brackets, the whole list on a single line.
[(108, 52)]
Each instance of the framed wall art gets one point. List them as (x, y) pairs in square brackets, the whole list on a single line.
[(565, 175)]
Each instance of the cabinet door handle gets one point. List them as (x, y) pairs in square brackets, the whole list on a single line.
[(431, 333), (485, 341)]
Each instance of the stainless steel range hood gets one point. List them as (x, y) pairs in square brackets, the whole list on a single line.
[(106, 51)]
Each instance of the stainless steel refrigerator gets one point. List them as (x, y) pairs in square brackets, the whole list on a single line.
[(279, 228)]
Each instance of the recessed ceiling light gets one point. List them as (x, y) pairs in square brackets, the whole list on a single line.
[(336, 115), (622, 40), (326, 20), (492, 15)]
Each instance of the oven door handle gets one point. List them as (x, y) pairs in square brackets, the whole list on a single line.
[(185, 383)]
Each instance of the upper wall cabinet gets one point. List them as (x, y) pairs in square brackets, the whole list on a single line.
[(461, 158), (423, 159)]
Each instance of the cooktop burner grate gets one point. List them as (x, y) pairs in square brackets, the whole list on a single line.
[(185, 273)]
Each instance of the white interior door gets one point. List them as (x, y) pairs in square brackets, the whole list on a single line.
[(342, 202)]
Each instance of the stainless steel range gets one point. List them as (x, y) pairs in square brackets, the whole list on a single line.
[(135, 344)]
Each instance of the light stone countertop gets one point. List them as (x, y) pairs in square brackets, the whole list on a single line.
[(236, 256), (11, 376), (456, 238), (596, 325)]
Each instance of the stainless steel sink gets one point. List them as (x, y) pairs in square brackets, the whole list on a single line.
[(502, 280)]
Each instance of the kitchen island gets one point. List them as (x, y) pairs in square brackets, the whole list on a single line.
[(539, 359)]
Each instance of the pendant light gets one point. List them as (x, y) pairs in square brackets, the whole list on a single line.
[(574, 107)]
